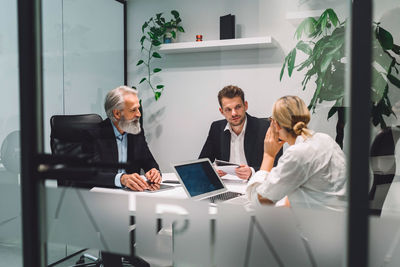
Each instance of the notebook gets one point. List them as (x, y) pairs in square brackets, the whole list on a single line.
[(201, 182)]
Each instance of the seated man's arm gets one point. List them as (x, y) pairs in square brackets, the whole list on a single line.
[(209, 148), (147, 161)]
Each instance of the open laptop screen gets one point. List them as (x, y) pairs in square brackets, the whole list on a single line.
[(199, 177)]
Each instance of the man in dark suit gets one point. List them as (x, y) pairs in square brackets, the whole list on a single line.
[(239, 138), (120, 138)]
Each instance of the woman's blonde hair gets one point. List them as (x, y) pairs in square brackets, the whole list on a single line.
[(293, 115)]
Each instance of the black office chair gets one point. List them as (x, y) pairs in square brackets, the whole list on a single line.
[(66, 137), (66, 132), (383, 163)]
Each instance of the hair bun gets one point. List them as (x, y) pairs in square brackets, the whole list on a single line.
[(298, 127)]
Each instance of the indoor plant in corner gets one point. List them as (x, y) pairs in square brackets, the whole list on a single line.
[(324, 47), (156, 31)]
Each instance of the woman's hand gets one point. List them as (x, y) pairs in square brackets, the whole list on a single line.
[(272, 144)]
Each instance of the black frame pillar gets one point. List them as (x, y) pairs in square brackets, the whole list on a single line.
[(30, 82), (358, 164)]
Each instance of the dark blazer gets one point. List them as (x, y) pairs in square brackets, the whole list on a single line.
[(101, 144), (218, 143)]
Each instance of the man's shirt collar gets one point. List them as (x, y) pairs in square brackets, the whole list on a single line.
[(117, 134), (229, 128)]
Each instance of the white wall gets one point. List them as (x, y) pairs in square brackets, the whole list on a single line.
[(177, 125)]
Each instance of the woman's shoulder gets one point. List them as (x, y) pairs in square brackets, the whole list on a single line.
[(303, 146)]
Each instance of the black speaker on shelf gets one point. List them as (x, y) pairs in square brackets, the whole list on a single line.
[(227, 27)]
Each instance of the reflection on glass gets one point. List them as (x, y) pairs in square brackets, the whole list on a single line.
[(83, 58), (10, 204), (385, 179)]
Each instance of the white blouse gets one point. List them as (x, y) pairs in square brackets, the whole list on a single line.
[(312, 173)]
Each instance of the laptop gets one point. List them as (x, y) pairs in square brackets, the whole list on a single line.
[(201, 181)]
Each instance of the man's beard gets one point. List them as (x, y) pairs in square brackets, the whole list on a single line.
[(129, 126)]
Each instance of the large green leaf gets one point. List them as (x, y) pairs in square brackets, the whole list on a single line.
[(385, 38), (325, 63), (378, 85), (307, 26), (144, 26), (316, 93), (332, 111), (332, 90), (283, 69), (180, 29), (332, 16), (395, 81), (156, 70), (156, 55), (151, 35), (160, 86), (323, 20), (155, 42), (291, 61), (157, 95), (175, 14), (142, 39), (304, 47), (382, 59), (396, 49)]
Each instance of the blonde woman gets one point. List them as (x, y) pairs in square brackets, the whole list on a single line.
[(312, 170)]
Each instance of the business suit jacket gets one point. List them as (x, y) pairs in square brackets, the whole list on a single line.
[(101, 144), (218, 143)]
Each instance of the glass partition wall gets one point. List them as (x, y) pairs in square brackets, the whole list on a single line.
[(83, 58), (384, 232), (10, 200), (277, 48)]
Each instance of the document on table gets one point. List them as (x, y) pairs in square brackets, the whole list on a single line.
[(227, 167)]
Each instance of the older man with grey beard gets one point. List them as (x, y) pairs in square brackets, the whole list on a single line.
[(120, 138)]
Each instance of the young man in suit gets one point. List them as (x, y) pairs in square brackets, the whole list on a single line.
[(120, 138), (239, 138)]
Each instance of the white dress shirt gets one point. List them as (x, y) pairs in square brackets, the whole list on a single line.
[(312, 173), (236, 154), (237, 145)]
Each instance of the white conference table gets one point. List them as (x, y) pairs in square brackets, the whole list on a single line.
[(176, 193)]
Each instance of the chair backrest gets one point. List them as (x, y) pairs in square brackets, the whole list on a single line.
[(66, 132), (383, 164), (67, 138)]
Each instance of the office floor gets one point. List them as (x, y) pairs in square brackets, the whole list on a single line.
[(11, 255)]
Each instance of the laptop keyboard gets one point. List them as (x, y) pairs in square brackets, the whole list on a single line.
[(222, 197)]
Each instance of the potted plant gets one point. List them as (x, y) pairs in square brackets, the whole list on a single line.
[(324, 46), (155, 31)]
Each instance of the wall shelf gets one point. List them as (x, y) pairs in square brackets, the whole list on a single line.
[(218, 45), (297, 17)]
